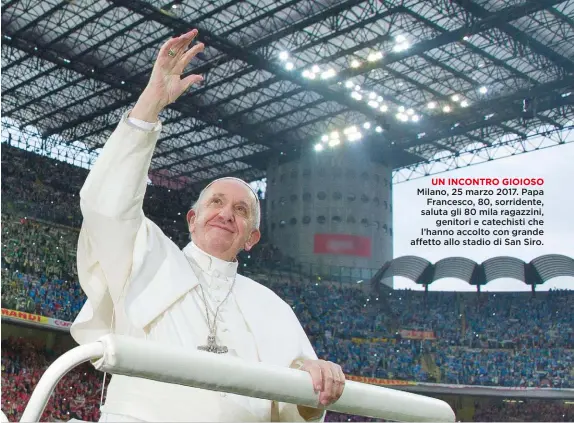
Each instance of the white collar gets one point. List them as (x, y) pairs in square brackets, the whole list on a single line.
[(209, 264)]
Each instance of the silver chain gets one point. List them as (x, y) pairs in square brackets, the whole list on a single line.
[(213, 331)]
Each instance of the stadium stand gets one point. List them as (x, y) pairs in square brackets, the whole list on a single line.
[(503, 339)]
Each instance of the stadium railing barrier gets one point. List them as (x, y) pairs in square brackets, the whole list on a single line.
[(131, 357)]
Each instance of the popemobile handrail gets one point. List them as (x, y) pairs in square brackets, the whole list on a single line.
[(127, 356)]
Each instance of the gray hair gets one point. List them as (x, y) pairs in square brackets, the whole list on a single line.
[(256, 211)]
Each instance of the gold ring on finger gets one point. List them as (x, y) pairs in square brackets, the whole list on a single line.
[(171, 53)]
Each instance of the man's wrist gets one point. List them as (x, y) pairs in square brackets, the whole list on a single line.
[(147, 108)]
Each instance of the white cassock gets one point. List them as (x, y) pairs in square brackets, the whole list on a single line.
[(140, 284)]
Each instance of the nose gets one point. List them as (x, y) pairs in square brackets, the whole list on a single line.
[(226, 213)]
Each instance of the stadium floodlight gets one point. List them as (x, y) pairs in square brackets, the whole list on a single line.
[(318, 147), (373, 104), (401, 109), (464, 103), (374, 56), (483, 90), (410, 112), (315, 69), (431, 105), (415, 118), (367, 125), (402, 117), (455, 98), (384, 108), (355, 63), (357, 87), (325, 138), (372, 95), (379, 129), (334, 142), (356, 95), (283, 55), (289, 66), (328, 74), (311, 75), (334, 135), (355, 136), (380, 99), (306, 73), (400, 39), (446, 109), (350, 130), (349, 84)]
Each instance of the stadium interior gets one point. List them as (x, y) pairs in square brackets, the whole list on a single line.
[(425, 87)]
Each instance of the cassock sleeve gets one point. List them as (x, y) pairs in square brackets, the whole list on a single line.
[(111, 202)]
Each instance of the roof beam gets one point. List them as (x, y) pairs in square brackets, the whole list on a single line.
[(520, 36), (183, 105), (253, 59)]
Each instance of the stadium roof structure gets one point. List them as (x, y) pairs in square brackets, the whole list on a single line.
[(426, 85), (533, 273)]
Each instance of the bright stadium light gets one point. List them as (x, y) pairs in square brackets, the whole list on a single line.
[(334, 135), (379, 129), (328, 74), (483, 90), (349, 84), (384, 108), (373, 104), (318, 147), (306, 73), (401, 109), (289, 66), (431, 105), (455, 98), (334, 142), (380, 99), (410, 112), (400, 39), (374, 56), (355, 136), (446, 109), (355, 63), (356, 95), (367, 125), (350, 130), (357, 87), (315, 69), (325, 138), (415, 118), (464, 103), (311, 75), (283, 55)]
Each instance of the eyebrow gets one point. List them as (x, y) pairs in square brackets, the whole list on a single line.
[(220, 195)]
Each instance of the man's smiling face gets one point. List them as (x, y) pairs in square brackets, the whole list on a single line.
[(224, 221)]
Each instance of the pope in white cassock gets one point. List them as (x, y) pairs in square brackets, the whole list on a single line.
[(140, 284)]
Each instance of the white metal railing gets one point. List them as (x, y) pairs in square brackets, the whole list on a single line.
[(131, 357)]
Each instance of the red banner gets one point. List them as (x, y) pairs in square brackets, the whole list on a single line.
[(417, 334), (340, 244)]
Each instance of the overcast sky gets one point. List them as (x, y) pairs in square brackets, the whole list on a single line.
[(554, 164)]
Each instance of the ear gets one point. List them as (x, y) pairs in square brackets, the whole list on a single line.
[(191, 216), (253, 240)]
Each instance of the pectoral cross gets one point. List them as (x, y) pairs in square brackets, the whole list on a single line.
[(212, 346)]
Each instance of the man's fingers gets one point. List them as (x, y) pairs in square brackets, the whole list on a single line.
[(328, 384), (188, 81), (316, 376), (188, 55), (177, 44), (340, 381)]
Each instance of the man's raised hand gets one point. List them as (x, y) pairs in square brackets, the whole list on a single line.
[(165, 84)]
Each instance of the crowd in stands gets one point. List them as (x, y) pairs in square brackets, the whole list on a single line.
[(504, 339)]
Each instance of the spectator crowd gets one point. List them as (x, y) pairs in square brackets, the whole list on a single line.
[(503, 339)]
